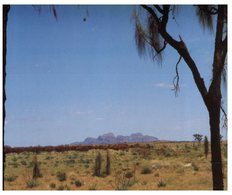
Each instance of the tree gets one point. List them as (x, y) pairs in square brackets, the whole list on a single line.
[(97, 167), (108, 162), (206, 146), (198, 137), (156, 37)]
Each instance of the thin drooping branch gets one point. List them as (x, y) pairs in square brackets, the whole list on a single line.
[(225, 120), (151, 11), (177, 78), (180, 47), (161, 49)]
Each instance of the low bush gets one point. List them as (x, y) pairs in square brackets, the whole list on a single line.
[(61, 176), (195, 167), (52, 185), (161, 184), (32, 183), (78, 183), (10, 178), (129, 175), (146, 170)]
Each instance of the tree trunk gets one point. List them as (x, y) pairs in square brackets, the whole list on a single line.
[(216, 160), (6, 9)]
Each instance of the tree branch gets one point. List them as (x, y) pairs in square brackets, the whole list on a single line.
[(176, 78), (225, 118), (161, 49), (151, 11), (159, 9), (179, 46), (183, 51)]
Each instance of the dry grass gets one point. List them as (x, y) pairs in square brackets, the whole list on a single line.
[(174, 166)]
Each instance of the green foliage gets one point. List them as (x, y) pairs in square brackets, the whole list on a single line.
[(146, 170), (23, 162), (63, 187), (195, 167), (129, 175), (61, 176), (93, 187), (32, 183), (10, 178), (198, 137), (122, 180), (78, 183), (60, 187), (52, 185), (161, 183)]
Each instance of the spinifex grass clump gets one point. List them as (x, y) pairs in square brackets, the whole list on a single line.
[(32, 183), (146, 170), (161, 183), (61, 176), (78, 183), (10, 178)]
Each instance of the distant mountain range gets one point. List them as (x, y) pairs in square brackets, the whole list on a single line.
[(110, 138)]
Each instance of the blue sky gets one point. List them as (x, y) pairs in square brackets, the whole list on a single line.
[(70, 79)]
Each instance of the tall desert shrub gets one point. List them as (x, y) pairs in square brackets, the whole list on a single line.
[(206, 146), (107, 163), (36, 171), (97, 167)]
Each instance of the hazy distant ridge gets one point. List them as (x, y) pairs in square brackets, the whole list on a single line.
[(110, 138)]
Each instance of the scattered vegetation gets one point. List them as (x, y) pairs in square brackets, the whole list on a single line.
[(10, 178), (32, 183), (61, 176), (182, 167)]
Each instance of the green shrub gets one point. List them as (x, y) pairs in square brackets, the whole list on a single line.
[(14, 159), (78, 183), (52, 185), (161, 184), (10, 178), (93, 187), (61, 187), (195, 167), (61, 176), (156, 175), (23, 162), (129, 175), (146, 170), (32, 183)]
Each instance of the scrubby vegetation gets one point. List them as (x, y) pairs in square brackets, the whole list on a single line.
[(153, 166)]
